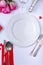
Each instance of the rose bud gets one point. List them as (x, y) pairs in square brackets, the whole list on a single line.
[(6, 10), (12, 5), (3, 3)]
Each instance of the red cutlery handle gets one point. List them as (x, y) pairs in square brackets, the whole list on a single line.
[(6, 57), (11, 57), (2, 46)]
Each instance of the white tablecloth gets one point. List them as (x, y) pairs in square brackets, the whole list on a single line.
[(21, 55)]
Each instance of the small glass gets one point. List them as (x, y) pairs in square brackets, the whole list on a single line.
[(23, 2)]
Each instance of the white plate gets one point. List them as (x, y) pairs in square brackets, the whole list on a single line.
[(23, 29)]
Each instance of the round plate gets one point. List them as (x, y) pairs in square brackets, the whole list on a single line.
[(23, 29)]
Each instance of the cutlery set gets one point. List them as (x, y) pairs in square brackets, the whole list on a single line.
[(7, 53)]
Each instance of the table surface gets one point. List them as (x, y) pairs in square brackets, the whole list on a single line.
[(22, 55)]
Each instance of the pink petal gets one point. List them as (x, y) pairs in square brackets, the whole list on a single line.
[(0, 9), (40, 17), (6, 10), (3, 3), (13, 5), (1, 28)]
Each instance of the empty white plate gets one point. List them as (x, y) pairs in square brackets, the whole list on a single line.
[(23, 29)]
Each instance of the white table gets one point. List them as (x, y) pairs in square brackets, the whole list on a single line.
[(21, 55)]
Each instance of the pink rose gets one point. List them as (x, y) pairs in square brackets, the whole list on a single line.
[(3, 3), (6, 10), (12, 5)]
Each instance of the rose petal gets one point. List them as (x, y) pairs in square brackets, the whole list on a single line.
[(6, 10), (1, 27), (0, 9), (40, 17), (13, 5), (3, 3)]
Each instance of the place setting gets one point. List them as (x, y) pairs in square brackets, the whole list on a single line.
[(23, 30)]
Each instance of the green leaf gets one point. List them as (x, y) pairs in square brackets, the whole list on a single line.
[(9, 0)]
